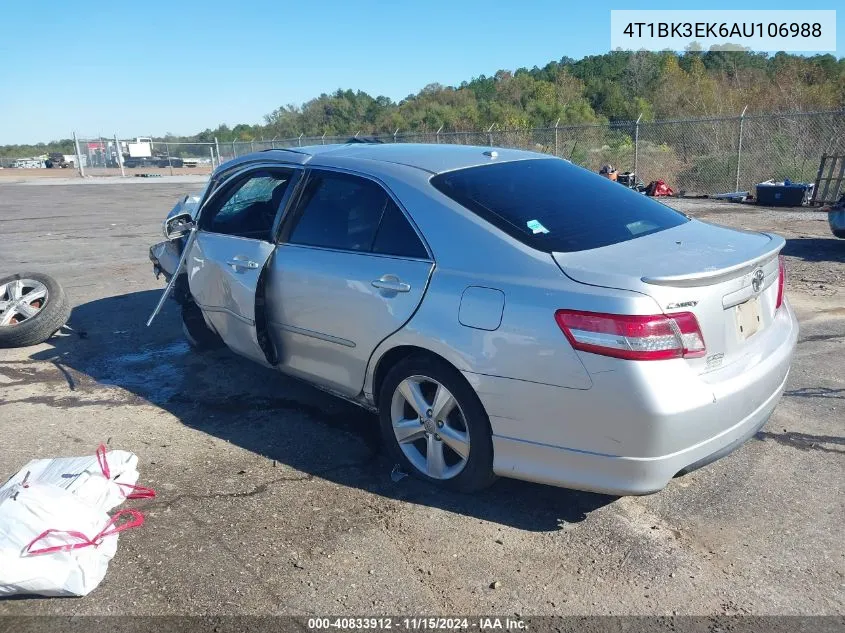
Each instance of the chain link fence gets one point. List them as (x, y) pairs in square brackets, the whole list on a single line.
[(142, 156), (693, 156)]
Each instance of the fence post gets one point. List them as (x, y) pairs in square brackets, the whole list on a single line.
[(217, 150), (323, 139), (739, 146), (233, 150), (299, 140), (169, 162), (211, 151), (437, 134), (394, 134), (637, 145), (78, 157), (252, 146), (556, 124), (490, 135), (119, 157)]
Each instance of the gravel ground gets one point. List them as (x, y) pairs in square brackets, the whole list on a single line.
[(276, 499)]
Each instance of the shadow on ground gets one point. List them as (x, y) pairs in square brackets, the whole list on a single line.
[(265, 412), (816, 249)]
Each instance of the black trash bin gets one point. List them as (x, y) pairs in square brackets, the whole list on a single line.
[(782, 194)]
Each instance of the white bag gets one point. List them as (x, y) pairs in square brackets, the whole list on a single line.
[(103, 480), (54, 543)]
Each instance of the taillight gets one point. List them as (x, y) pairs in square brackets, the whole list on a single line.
[(781, 281), (633, 337)]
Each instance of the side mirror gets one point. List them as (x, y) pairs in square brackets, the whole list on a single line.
[(178, 225)]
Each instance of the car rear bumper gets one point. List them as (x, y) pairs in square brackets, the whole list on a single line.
[(634, 430), (614, 474)]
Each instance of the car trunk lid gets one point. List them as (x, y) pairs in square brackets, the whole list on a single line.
[(727, 278)]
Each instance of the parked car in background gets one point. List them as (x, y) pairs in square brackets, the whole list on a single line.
[(57, 160), (143, 161), (28, 163), (153, 161), (505, 312), (836, 217)]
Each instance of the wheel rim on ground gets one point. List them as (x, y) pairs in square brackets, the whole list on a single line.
[(430, 427), (20, 300)]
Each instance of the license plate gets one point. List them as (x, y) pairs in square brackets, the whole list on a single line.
[(748, 318)]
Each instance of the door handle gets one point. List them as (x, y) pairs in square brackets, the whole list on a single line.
[(391, 283), (239, 261)]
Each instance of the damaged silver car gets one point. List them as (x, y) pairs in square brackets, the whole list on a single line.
[(505, 312)]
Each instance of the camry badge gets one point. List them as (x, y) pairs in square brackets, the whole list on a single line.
[(682, 304)]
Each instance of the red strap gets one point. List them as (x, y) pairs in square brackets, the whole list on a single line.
[(101, 459), (85, 542), (111, 527), (139, 492)]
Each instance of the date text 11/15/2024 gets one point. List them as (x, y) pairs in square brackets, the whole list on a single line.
[(417, 623)]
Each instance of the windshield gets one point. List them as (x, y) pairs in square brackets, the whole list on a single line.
[(553, 205)]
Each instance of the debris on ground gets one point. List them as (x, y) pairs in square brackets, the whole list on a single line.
[(733, 196), (830, 179), (397, 474), (658, 188), (33, 307), (56, 537), (608, 172)]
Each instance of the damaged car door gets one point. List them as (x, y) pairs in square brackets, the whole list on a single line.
[(233, 242), (350, 270)]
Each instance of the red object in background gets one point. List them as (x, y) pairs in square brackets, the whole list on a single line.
[(659, 188)]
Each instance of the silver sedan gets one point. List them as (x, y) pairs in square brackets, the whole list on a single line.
[(505, 312)]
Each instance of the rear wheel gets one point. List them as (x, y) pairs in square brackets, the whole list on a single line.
[(199, 335), (435, 425)]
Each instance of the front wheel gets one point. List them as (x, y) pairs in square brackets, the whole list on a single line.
[(435, 425), (199, 336)]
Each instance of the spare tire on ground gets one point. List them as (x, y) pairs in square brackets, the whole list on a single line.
[(33, 307)]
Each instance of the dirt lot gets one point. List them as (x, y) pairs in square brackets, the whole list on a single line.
[(275, 498)]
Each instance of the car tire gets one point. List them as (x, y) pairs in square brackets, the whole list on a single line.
[(465, 422), (840, 234), (51, 305), (198, 334)]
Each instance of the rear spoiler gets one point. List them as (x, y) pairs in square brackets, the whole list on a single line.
[(707, 277)]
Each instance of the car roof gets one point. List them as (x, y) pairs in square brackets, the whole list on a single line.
[(431, 158)]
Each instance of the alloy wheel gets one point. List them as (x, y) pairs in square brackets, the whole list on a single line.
[(21, 299), (430, 427)]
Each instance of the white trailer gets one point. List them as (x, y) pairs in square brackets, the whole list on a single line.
[(142, 147)]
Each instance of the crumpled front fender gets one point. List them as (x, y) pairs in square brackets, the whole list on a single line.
[(165, 257)]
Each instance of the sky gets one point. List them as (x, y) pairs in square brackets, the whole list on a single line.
[(148, 67)]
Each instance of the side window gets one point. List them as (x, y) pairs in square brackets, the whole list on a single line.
[(396, 236), (250, 207), (339, 211)]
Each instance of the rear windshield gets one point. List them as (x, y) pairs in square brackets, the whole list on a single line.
[(553, 205)]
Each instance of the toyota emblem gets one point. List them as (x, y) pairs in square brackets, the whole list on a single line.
[(757, 280)]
